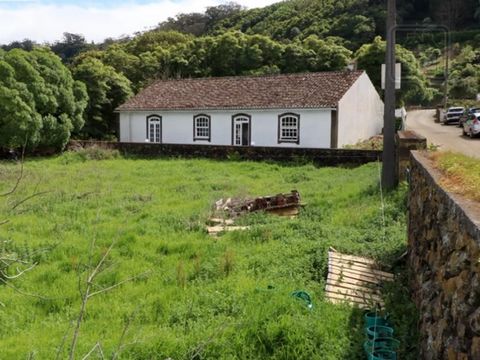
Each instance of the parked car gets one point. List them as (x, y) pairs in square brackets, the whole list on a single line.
[(466, 114), (453, 115), (471, 127)]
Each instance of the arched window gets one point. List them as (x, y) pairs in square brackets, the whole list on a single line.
[(201, 127), (241, 131), (154, 129), (289, 128)]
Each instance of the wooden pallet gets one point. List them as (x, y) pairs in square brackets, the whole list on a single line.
[(223, 225), (354, 280), (215, 230)]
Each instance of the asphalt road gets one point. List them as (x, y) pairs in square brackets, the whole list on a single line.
[(447, 137)]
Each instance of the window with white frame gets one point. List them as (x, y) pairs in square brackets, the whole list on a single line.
[(201, 127), (289, 128)]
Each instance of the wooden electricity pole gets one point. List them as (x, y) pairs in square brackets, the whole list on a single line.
[(388, 159)]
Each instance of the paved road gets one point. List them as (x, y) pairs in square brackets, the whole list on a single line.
[(447, 137)]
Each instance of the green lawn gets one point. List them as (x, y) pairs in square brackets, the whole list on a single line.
[(204, 298)]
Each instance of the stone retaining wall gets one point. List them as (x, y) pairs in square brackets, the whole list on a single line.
[(444, 258), (323, 157)]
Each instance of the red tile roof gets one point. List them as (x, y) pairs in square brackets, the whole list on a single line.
[(307, 90)]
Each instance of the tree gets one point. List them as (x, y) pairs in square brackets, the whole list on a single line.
[(19, 123), (107, 89), (25, 44), (215, 14), (40, 102), (192, 23), (70, 46), (356, 29), (415, 90), (465, 74), (314, 54)]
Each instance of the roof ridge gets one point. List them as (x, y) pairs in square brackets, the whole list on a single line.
[(260, 76)]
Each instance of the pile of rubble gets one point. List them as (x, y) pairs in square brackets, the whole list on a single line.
[(227, 210), (236, 207)]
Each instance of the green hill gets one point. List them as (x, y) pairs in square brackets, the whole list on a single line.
[(354, 21), (286, 37)]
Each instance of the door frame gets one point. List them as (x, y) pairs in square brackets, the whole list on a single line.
[(249, 122), (154, 117)]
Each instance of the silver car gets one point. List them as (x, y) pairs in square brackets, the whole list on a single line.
[(471, 126), (453, 115)]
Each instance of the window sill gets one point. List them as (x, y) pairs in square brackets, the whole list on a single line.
[(289, 141)]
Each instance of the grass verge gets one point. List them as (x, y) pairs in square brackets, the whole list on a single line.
[(461, 173)]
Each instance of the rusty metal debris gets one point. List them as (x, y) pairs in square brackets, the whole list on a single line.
[(226, 211), (236, 207)]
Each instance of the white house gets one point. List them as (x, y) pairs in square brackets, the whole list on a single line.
[(311, 110)]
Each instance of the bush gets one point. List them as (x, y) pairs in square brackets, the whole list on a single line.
[(94, 152)]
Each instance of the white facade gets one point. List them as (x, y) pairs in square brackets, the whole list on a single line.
[(360, 113), (177, 127), (358, 116)]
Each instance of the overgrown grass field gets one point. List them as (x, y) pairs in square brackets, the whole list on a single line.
[(202, 297)]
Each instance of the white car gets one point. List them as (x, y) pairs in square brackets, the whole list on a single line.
[(453, 115), (471, 126)]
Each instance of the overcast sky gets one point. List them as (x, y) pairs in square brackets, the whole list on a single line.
[(47, 20)]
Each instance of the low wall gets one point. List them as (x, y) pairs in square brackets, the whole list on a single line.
[(444, 259), (406, 141), (323, 157)]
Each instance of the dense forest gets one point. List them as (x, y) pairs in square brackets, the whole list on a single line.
[(289, 36)]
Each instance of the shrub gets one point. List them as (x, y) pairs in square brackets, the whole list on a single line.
[(94, 152)]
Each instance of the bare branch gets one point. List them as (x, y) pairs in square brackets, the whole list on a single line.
[(18, 274), (124, 333), (79, 322), (117, 284), (64, 339), (97, 346), (19, 177), (97, 269), (23, 292), (3, 222), (29, 198), (85, 297), (9, 261)]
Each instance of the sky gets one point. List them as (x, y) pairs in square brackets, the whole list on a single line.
[(46, 20)]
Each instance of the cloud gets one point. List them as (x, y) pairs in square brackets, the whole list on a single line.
[(47, 22)]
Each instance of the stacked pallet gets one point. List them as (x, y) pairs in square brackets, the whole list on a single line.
[(354, 280)]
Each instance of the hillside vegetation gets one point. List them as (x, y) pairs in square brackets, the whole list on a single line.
[(286, 37), (202, 297)]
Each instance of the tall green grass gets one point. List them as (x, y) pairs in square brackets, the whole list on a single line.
[(205, 298)]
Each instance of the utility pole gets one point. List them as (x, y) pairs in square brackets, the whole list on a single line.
[(388, 159)]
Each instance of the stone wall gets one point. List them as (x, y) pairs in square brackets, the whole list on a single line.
[(444, 258), (405, 141), (322, 157)]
